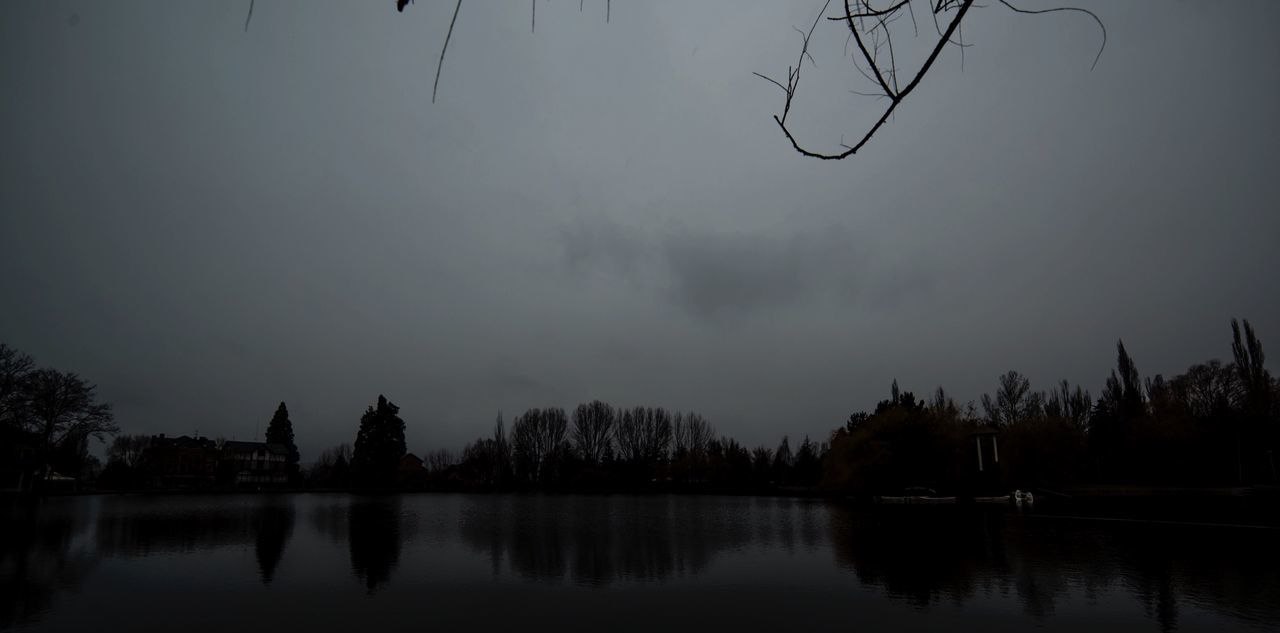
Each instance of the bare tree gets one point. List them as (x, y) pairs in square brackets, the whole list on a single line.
[(1073, 406), (128, 449), (538, 439), (1014, 401), (644, 434), (693, 433), (62, 407), (440, 460), (593, 430), (657, 434), (15, 367)]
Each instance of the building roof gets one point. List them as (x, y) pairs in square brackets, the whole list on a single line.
[(253, 447), (183, 441)]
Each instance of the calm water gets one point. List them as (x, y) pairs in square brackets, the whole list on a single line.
[(339, 562)]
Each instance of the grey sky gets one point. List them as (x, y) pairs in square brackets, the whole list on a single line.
[(206, 221)]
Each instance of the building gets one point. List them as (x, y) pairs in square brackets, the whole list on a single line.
[(182, 462), (410, 471), (254, 463), (199, 462)]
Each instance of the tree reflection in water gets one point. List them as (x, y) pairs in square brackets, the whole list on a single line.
[(374, 534), (926, 555), (595, 541), (273, 525), (39, 556)]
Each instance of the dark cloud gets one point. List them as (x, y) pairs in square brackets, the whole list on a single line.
[(717, 274)]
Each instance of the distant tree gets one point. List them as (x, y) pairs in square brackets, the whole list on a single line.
[(593, 430), (1121, 405), (128, 449), (856, 420), (539, 441), (379, 445), (658, 434), (762, 465), (1066, 404), (332, 467), (280, 431), (693, 433), (943, 406), (15, 368), (783, 461), (693, 443), (1209, 390), (807, 468), (63, 412), (644, 435), (439, 461), (1255, 428), (1013, 403)]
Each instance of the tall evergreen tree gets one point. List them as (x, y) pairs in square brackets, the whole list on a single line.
[(280, 431), (379, 444)]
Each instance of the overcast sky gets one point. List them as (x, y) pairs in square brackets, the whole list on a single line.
[(206, 221)]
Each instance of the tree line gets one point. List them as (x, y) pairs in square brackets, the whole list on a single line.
[(1217, 423)]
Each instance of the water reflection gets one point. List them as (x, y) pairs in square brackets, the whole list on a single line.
[(40, 557), (273, 525), (596, 541), (374, 535), (373, 529), (924, 561), (926, 556)]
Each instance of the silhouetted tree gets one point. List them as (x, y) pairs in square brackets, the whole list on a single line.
[(439, 461), (1013, 403), (807, 466), (125, 462), (538, 442), (15, 368), (63, 412), (762, 465), (1254, 428), (593, 431), (782, 462), (280, 431), (379, 445), (1066, 404), (1119, 407)]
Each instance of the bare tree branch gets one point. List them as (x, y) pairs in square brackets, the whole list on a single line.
[(896, 97), (248, 17), (440, 64)]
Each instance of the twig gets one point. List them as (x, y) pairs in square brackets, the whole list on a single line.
[(248, 17), (1077, 9), (440, 64)]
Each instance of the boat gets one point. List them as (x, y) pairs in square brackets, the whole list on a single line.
[(916, 496), (1000, 499), (916, 500)]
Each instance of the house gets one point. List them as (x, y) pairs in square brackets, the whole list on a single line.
[(254, 463), (199, 462), (182, 462), (411, 470)]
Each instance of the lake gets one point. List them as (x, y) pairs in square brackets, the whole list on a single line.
[(337, 562)]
